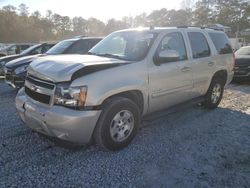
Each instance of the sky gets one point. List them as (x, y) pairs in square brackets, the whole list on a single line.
[(100, 9)]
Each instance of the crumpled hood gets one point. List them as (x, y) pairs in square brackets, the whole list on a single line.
[(20, 61), (60, 68)]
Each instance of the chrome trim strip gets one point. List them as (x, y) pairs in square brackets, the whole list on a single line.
[(160, 93)]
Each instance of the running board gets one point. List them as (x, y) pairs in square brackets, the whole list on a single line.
[(173, 109)]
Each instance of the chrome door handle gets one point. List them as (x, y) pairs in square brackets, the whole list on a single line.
[(185, 69), (211, 64)]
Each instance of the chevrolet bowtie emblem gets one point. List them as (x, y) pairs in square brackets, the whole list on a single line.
[(33, 88)]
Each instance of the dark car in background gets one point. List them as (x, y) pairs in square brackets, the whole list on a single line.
[(12, 49), (33, 50), (242, 64), (15, 70)]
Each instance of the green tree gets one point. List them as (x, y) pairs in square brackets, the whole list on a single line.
[(79, 26), (95, 27)]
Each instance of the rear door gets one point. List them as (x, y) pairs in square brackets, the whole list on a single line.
[(203, 65)]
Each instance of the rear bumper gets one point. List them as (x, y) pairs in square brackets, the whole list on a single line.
[(242, 72), (60, 122)]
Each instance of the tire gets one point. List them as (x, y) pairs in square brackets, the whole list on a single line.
[(214, 94), (118, 124)]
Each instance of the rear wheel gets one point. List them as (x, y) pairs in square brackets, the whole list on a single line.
[(214, 94), (117, 124)]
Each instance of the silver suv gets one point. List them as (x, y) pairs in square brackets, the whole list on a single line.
[(129, 74)]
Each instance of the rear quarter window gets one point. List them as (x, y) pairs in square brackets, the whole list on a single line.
[(221, 43)]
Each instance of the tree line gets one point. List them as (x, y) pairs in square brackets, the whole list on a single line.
[(17, 24)]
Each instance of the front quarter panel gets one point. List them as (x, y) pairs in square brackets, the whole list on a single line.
[(106, 83)]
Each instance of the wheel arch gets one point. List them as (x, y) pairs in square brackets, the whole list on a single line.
[(134, 95), (222, 75)]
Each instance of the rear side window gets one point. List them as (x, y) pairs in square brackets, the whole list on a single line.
[(199, 45), (221, 43)]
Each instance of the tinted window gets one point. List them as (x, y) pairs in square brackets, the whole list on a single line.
[(199, 45), (37, 50), (94, 42), (221, 43), (46, 47), (81, 47), (30, 49), (24, 47), (174, 41), (60, 47)]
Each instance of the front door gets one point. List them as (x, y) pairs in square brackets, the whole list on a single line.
[(170, 82)]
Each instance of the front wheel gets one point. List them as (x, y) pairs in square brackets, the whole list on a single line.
[(117, 124), (214, 94)]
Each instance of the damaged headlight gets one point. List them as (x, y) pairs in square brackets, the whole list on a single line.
[(66, 95)]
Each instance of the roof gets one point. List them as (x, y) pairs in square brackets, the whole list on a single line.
[(160, 29), (75, 39)]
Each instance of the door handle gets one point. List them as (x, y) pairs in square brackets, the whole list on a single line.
[(211, 63), (185, 69)]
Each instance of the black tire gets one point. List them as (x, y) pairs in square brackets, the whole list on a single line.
[(112, 107), (209, 102)]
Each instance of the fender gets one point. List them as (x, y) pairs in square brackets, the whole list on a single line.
[(111, 81)]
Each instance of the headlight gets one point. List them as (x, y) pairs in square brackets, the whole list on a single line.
[(70, 96), (21, 69)]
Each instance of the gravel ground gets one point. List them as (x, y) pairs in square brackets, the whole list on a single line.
[(191, 148)]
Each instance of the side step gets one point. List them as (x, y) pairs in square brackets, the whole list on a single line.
[(173, 109)]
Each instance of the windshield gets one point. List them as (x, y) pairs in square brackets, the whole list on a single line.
[(60, 47), (30, 49), (127, 45), (243, 51)]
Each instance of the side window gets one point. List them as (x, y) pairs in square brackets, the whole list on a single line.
[(199, 45), (12, 50), (93, 42), (80, 47), (39, 50), (24, 47), (221, 43), (46, 47), (174, 41)]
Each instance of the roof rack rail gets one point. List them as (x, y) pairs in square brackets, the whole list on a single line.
[(201, 27)]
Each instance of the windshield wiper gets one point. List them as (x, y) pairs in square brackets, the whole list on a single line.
[(111, 55)]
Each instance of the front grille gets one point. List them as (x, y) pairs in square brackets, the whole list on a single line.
[(39, 90), (40, 83), (37, 96)]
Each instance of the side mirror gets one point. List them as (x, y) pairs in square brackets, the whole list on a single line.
[(167, 56)]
